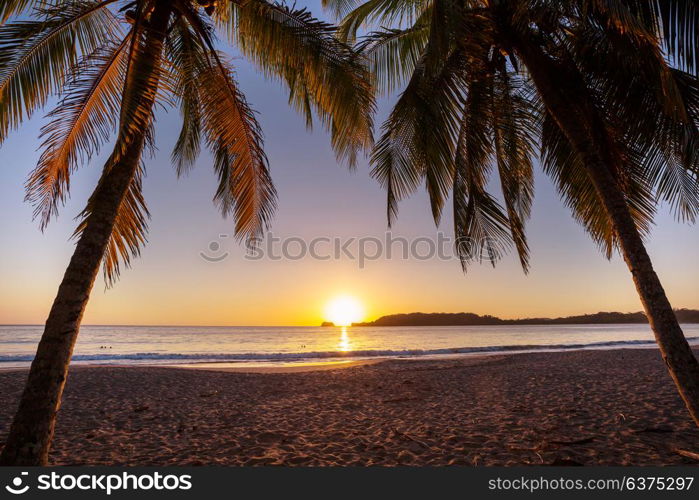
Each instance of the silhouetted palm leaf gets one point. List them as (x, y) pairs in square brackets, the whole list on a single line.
[(645, 110), (84, 118), (322, 74), (36, 55)]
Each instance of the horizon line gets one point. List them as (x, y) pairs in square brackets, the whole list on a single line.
[(357, 322)]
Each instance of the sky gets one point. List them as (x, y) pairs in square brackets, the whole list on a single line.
[(188, 274)]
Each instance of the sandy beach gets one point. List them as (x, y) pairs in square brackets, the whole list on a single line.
[(586, 407)]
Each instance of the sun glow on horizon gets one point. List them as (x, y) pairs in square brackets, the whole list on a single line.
[(344, 310)]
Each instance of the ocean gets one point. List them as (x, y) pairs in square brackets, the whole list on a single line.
[(258, 345)]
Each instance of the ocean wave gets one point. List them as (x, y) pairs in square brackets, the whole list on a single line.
[(299, 356)]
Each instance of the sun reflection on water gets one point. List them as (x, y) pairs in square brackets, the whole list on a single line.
[(345, 345)]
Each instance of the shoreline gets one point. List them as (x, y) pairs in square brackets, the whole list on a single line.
[(271, 367), (301, 367), (358, 358), (603, 407)]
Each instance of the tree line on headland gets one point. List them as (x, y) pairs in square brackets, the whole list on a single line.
[(472, 319)]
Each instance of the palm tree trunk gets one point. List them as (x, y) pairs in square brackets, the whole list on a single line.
[(33, 426), (573, 112)]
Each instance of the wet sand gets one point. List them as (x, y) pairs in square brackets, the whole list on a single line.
[(280, 368), (586, 407)]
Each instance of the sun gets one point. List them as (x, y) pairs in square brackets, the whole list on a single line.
[(343, 311)]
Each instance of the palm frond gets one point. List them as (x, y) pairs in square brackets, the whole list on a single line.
[(666, 146), (339, 8), (321, 72), (381, 12), (481, 227), (129, 232), (184, 49), (80, 123), (637, 19), (654, 108), (680, 28), (144, 72), (394, 53), (146, 85), (566, 165), (232, 133), (419, 137), (676, 22), (36, 55), (515, 135), (10, 8), (562, 163)]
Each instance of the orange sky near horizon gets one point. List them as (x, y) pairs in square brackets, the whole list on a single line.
[(239, 292)]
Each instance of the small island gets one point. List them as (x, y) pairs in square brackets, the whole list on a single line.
[(327, 323)]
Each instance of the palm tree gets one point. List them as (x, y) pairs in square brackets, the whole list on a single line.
[(606, 92), (113, 61)]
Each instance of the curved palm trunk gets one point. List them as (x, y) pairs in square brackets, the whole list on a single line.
[(576, 120), (33, 426)]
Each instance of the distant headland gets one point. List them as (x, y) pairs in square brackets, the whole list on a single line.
[(471, 319)]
